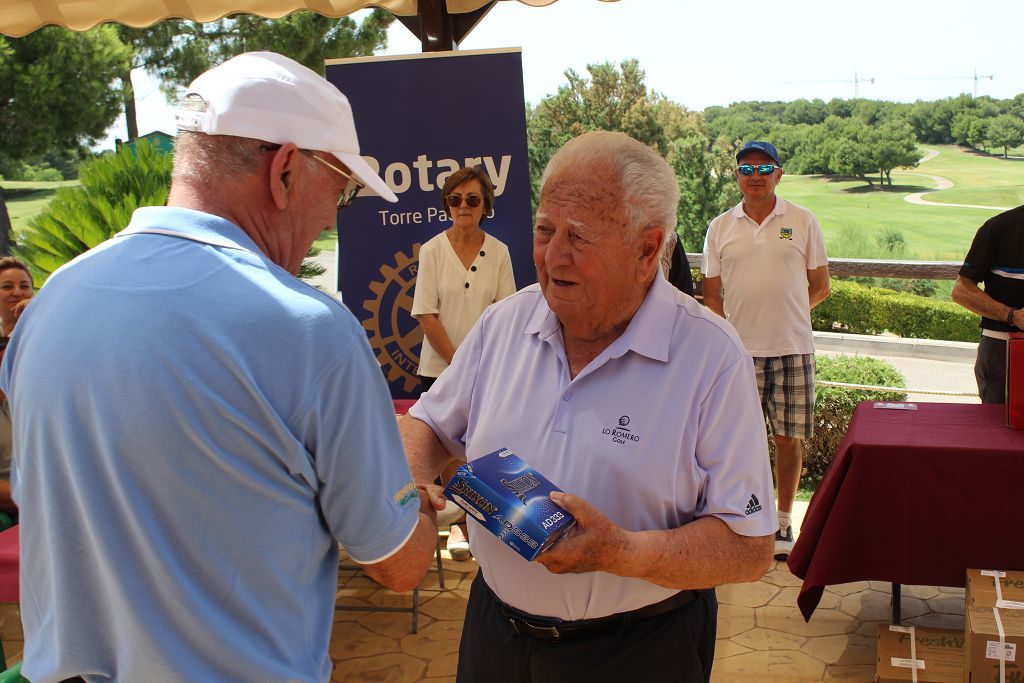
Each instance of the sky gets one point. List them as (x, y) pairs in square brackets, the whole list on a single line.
[(702, 53)]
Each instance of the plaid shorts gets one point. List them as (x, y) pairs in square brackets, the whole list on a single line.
[(786, 387)]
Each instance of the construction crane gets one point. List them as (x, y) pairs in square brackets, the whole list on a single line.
[(857, 80), (974, 77)]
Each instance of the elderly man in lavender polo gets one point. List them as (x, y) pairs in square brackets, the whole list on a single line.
[(195, 429), (604, 343)]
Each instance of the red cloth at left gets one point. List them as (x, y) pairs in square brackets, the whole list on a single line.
[(9, 565), (402, 405)]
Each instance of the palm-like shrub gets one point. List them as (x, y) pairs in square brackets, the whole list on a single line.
[(112, 187), (79, 218)]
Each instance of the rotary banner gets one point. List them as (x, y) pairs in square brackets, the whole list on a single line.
[(420, 118)]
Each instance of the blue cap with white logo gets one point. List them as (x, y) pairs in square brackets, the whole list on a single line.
[(766, 147)]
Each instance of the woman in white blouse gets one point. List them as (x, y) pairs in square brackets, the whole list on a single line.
[(462, 271)]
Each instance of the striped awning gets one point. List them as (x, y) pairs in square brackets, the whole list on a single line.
[(18, 17)]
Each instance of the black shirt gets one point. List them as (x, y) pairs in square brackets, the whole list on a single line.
[(997, 259), (679, 273)]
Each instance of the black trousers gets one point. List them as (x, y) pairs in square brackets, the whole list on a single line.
[(990, 370), (426, 383), (678, 647)]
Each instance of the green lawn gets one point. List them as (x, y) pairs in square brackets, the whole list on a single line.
[(327, 241), (853, 214), (977, 178), (26, 199)]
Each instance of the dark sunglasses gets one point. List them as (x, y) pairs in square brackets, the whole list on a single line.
[(472, 201), (762, 169)]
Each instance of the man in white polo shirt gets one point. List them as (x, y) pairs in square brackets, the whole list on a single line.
[(764, 269), (605, 343)]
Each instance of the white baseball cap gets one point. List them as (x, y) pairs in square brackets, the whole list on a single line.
[(267, 96)]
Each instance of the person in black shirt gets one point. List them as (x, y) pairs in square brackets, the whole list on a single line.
[(996, 258), (675, 265)]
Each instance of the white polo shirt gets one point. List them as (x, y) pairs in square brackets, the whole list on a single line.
[(456, 294), (677, 381), (764, 275)]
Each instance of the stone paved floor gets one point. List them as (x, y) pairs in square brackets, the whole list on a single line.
[(761, 635)]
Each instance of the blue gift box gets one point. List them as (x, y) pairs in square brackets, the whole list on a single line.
[(510, 499)]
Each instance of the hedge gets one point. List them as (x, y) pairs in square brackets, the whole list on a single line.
[(833, 406), (857, 309)]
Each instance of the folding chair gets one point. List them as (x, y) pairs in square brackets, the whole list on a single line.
[(414, 609)]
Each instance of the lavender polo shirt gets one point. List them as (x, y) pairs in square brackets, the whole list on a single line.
[(663, 427)]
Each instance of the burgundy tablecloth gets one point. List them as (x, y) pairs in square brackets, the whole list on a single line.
[(402, 405), (9, 565), (915, 497)]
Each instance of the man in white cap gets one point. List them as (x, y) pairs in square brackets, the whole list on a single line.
[(195, 428)]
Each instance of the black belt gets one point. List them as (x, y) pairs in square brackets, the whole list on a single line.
[(553, 630)]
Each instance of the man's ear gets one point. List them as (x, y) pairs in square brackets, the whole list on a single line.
[(280, 176), (651, 241)]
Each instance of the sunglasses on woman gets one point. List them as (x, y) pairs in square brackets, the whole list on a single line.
[(472, 200), (762, 169)]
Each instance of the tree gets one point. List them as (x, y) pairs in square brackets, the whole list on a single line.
[(853, 158), (970, 130), (617, 99), (178, 50), (55, 93), (893, 145), (1006, 131), (933, 121), (307, 37), (804, 111), (707, 185), (612, 98), (145, 45)]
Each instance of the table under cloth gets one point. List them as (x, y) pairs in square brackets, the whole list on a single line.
[(915, 497)]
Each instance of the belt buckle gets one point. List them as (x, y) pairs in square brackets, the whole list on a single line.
[(525, 628), (553, 630)]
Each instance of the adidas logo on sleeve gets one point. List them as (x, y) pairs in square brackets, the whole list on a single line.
[(753, 505)]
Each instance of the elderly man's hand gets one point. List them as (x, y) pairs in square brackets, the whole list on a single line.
[(431, 499), (594, 544)]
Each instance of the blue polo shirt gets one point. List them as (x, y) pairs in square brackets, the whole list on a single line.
[(663, 427), (195, 430)]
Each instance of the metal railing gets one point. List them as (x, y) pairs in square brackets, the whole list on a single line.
[(910, 270)]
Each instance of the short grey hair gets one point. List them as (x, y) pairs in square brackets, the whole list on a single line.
[(650, 190), (199, 157), (667, 249)]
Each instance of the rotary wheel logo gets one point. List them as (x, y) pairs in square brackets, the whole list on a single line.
[(393, 332)]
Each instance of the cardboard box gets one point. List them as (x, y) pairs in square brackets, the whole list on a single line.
[(983, 645), (510, 499), (938, 654), (981, 588), (1015, 381)]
